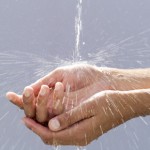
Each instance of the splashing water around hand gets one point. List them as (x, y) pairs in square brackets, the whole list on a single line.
[(43, 66)]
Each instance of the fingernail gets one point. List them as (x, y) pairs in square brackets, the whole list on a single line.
[(27, 93), (43, 91), (54, 124), (58, 86)]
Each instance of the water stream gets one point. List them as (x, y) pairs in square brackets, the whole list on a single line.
[(78, 30)]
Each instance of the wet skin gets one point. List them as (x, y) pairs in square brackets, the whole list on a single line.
[(68, 91)]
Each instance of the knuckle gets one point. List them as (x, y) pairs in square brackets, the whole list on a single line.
[(27, 101)]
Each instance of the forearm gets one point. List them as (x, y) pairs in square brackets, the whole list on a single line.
[(129, 104), (128, 79)]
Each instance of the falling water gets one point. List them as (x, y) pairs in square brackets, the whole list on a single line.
[(78, 29)]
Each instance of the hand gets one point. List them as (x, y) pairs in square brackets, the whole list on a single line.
[(87, 121), (81, 80), (78, 77), (93, 117)]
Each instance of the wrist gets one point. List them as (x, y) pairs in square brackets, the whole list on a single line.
[(126, 79), (110, 76)]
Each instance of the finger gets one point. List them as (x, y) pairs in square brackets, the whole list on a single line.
[(35, 127), (41, 106), (50, 80), (83, 111), (15, 99), (57, 106), (29, 102)]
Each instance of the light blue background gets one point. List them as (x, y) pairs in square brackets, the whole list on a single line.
[(36, 36)]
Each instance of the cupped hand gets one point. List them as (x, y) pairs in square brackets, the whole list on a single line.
[(82, 80), (52, 102), (84, 123)]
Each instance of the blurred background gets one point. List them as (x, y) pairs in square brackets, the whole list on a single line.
[(37, 36)]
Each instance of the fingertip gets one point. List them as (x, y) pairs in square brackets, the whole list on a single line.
[(11, 96), (45, 86), (59, 86), (44, 90), (8, 95), (15, 99), (28, 91)]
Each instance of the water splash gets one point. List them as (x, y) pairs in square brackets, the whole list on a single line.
[(56, 147), (122, 51), (144, 121), (1, 118), (81, 148)]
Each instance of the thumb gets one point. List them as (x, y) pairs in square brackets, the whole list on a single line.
[(83, 111)]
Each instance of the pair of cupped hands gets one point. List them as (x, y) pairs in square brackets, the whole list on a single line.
[(67, 106)]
